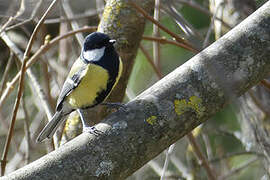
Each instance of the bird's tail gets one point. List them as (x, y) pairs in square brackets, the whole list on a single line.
[(51, 127)]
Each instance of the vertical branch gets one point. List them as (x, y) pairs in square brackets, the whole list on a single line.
[(156, 33), (74, 24), (166, 163), (5, 74), (99, 5), (26, 132)]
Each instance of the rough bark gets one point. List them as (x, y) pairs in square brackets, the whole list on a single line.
[(165, 112)]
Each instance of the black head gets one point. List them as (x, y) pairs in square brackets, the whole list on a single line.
[(97, 40), (95, 46)]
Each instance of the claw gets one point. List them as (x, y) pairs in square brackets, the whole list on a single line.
[(92, 130)]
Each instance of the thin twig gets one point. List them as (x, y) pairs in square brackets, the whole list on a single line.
[(33, 15), (238, 169), (206, 40), (99, 5), (163, 40), (39, 52), (26, 131), (193, 36), (266, 84), (156, 33), (259, 104), (166, 163), (210, 173), (5, 74), (230, 155), (177, 38), (19, 12), (47, 88), (34, 82), (207, 144), (185, 172), (150, 60), (157, 168), (195, 5), (74, 24), (21, 86), (75, 17)]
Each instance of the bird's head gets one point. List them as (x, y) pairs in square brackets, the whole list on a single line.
[(94, 46)]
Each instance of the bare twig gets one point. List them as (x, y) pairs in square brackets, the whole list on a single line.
[(75, 17), (158, 169), (26, 131), (210, 173), (20, 90), (33, 15), (207, 37), (156, 33), (74, 24), (19, 12), (19, 54), (5, 74), (99, 5), (150, 60), (35, 57), (230, 155), (168, 153), (207, 146), (195, 5), (192, 35), (257, 102), (238, 169), (181, 167), (177, 38), (266, 84), (163, 40)]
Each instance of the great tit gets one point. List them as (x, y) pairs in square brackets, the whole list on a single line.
[(90, 80)]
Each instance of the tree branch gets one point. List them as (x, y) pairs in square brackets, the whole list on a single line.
[(165, 112)]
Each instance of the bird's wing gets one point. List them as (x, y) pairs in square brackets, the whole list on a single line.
[(73, 80)]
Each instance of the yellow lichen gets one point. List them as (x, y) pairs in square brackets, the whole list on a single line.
[(180, 106), (111, 13), (194, 103), (151, 120)]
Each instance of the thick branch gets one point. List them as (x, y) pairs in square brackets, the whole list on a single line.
[(165, 112)]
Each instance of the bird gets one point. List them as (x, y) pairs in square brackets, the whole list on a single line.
[(91, 79)]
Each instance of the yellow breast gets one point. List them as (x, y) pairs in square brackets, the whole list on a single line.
[(94, 80)]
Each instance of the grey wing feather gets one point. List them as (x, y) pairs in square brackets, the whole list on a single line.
[(70, 84)]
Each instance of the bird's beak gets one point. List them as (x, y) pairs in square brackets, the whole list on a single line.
[(112, 41)]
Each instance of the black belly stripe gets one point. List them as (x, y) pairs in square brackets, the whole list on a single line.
[(110, 61)]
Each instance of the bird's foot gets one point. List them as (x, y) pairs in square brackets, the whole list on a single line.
[(92, 130)]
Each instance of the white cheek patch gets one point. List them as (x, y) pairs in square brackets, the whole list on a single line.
[(94, 54)]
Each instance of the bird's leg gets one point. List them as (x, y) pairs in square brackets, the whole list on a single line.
[(115, 105), (86, 127)]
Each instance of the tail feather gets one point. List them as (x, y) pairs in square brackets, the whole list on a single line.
[(51, 127)]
